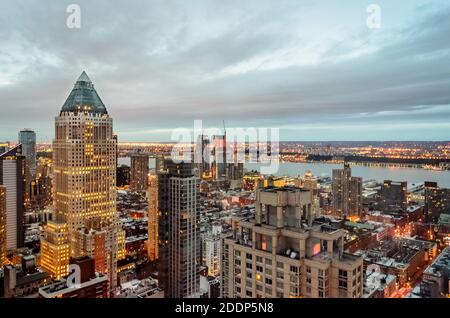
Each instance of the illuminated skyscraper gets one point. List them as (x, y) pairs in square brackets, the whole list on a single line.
[(27, 138), (139, 171), (12, 176), (55, 249), (2, 225), (179, 234), (152, 243), (84, 158), (347, 192)]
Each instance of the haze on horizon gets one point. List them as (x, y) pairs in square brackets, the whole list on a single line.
[(313, 69)]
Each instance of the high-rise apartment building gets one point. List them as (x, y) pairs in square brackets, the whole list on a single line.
[(12, 176), (393, 196), (212, 250), (277, 253), (27, 138), (84, 160), (153, 215), (139, 171), (2, 225), (347, 192), (437, 201), (55, 249), (179, 235)]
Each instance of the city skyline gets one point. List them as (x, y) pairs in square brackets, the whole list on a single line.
[(256, 65)]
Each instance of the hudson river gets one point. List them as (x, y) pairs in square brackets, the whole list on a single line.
[(293, 169)]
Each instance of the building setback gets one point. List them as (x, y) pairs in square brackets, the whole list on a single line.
[(278, 254), (84, 160)]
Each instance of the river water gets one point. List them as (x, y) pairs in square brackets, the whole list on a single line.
[(293, 169)]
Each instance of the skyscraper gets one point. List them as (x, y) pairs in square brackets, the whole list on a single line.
[(84, 158), (347, 192), (2, 225), (355, 196), (139, 171), (12, 176), (152, 243), (179, 235), (27, 138), (202, 149), (275, 255)]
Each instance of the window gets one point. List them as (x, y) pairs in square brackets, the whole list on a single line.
[(342, 273), (308, 269), (248, 293), (259, 268), (249, 256), (294, 269), (280, 275), (343, 284), (321, 294), (259, 287), (268, 261), (249, 265), (268, 281), (259, 259), (280, 265)]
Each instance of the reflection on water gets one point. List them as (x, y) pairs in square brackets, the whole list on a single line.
[(293, 169)]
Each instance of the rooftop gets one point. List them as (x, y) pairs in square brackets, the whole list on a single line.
[(84, 98)]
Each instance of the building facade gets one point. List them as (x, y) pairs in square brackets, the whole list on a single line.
[(179, 235), (153, 215), (139, 171), (437, 201), (277, 254), (27, 138), (2, 225), (393, 196), (55, 249), (347, 192), (84, 159), (12, 177)]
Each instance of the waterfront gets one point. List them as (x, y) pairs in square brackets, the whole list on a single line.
[(293, 169)]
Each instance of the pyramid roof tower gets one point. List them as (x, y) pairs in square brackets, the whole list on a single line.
[(84, 98)]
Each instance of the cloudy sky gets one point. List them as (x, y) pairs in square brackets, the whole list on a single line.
[(311, 68)]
